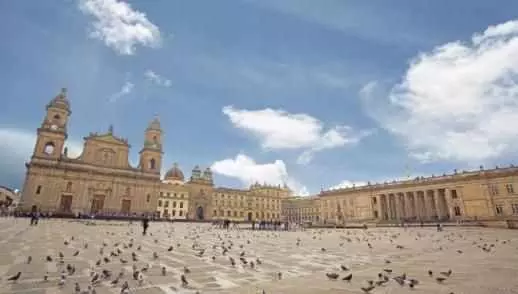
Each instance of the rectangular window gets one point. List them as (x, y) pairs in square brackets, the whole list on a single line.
[(174, 212), (181, 213), (514, 208), (181, 204), (493, 189), (499, 209), (174, 204), (159, 203), (166, 204), (38, 190), (453, 194), (509, 188), (166, 212)]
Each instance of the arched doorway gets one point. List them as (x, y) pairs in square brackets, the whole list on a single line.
[(249, 216), (199, 213)]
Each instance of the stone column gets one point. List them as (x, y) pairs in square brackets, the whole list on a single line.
[(379, 207), (438, 204), (397, 206), (404, 212), (421, 204), (409, 209)]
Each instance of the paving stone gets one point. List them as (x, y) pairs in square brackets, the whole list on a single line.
[(303, 267)]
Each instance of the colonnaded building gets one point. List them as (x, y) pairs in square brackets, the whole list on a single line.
[(102, 181), (484, 194)]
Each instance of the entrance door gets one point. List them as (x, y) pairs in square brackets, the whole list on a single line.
[(199, 213), (126, 206), (97, 204), (66, 203), (249, 216)]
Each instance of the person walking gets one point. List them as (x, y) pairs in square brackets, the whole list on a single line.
[(145, 226)]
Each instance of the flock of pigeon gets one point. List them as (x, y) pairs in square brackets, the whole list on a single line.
[(123, 262)]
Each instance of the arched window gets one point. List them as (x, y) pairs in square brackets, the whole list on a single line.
[(155, 140), (152, 163), (148, 198), (57, 117), (49, 148), (69, 187)]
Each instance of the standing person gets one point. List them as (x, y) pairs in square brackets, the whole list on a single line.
[(145, 225)]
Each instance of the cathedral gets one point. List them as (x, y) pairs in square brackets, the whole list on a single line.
[(102, 181)]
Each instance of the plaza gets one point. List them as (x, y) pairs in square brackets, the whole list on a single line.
[(481, 260)]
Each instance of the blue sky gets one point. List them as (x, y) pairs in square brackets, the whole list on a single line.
[(312, 93)]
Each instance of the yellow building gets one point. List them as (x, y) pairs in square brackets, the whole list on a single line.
[(173, 201), (259, 202), (481, 194), (102, 181), (301, 209)]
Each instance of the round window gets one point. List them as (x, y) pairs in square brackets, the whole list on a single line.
[(49, 148)]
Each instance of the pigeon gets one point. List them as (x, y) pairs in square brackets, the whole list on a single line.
[(15, 277), (348, 277), (184, 281), (332, 276)]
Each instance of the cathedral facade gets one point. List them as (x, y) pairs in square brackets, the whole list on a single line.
[(102, 181)]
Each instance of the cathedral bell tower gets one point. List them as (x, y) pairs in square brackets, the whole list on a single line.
[(151, 154), (53, 130)]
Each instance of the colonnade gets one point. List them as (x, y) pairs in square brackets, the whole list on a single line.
[(415, 205)]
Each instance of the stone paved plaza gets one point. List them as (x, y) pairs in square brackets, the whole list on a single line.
[(302, 264)]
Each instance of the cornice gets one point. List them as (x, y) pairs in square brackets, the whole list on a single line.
[(428, 181)]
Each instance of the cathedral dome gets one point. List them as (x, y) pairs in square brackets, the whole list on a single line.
[(174, 174)]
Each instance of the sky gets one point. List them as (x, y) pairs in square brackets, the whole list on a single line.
[(314, 94)]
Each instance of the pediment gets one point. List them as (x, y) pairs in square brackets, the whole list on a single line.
[(107, 138)]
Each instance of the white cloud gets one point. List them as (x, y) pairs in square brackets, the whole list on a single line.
[(125, 90), (278, 129), (246, 170), (17, 147), (460, 101), (157, 79), (119, 26), (348, 184)]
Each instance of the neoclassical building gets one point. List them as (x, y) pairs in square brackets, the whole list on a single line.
[(102, 181), (484, 194), (301, 209)]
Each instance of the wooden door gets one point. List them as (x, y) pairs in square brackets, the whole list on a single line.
[(66, 203), (97, 204), (126, 206)]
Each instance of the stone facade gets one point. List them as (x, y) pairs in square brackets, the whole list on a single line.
[(301, 209), (258, 202), (102, 181), (481, 194)]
